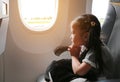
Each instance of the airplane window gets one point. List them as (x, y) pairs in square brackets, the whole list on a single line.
[(99, 8), (38, 15)]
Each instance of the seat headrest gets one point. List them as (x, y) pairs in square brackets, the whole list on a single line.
[(117, 1)]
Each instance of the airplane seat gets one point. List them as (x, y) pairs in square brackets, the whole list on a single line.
[(40, 78), (111, 31)]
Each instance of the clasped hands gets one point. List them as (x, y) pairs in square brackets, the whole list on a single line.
[(74, 50)]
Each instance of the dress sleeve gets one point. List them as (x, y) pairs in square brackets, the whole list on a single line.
[(90, 58)]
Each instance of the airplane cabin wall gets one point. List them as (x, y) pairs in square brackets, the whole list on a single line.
[(28, 53), (1, 68), (3, 35), (4, 19)]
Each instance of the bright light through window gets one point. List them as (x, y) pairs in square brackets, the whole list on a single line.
[(38, 15), (99, 8)]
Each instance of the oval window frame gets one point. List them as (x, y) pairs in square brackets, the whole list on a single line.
[(46, 22)]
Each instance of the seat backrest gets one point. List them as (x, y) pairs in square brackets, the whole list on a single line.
[(111, 29)]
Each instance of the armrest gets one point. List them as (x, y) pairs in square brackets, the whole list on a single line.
[(59, 50)]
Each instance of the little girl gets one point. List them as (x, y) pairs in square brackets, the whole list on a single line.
[(90, 58)]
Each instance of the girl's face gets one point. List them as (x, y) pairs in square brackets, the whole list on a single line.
[(78, 37)]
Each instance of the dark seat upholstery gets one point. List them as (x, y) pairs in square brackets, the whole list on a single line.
[(111, 30)]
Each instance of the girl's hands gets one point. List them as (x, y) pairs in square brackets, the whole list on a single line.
[(74, 50)]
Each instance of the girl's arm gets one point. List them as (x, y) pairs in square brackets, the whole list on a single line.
[(78, 67)]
